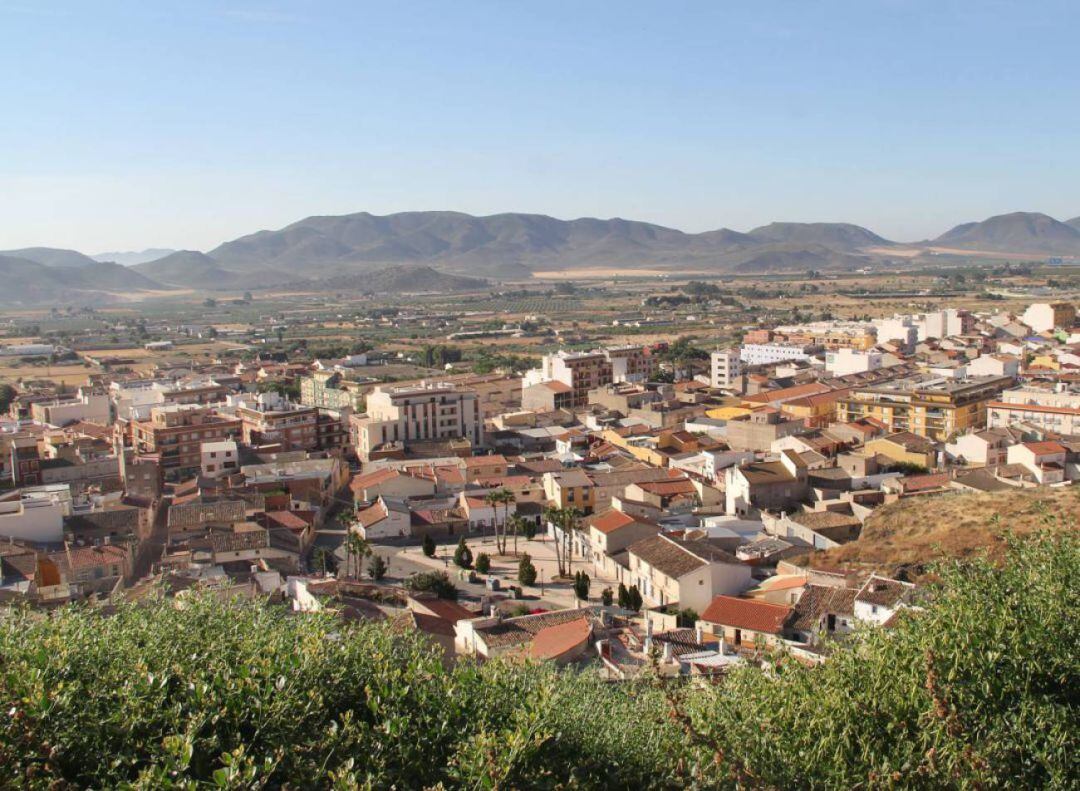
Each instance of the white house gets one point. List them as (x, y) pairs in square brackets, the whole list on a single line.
[(880, 598), (688, 573)]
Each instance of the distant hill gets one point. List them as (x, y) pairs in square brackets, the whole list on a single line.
[(835, 235), (1019, 232), (51, 256), (792, 257), (133, 257), (29, 282), (1074, 223), (192, 269)]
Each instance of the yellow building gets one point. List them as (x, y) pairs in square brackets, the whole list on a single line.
[(570, 488), (924, 405), (906, 448)]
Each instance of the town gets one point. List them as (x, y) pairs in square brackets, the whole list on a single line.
[(673, 504)]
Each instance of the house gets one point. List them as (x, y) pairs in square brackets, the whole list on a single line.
[(537, 635), (95, 569), (219, 458), (609, 536), (824, 611), (387, 518), (481, 514), (880, 598), (570, 488), (484, 467), (748, 623), (771, 485), (905, 448), (399, 484), (985, 448), (1045, 460), (669, 571)]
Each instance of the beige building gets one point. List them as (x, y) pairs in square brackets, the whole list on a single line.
[(416, 414), (585, 371)]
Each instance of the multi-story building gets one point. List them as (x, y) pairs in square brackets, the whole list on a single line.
[(726, 368), (585, 371), (1051, 410), (176, 433), (768, 353), (830, 334), (417, 414), (86, 405), (852, 361), (270, 420), (1048, 316), (932, 407), (328, 390)]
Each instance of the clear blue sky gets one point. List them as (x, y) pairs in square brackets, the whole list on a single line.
[(183, 124)]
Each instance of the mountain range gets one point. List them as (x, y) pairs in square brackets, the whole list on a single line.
[(452, 251), (132, 257)]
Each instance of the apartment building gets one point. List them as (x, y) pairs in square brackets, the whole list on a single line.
[(933, 407), (769, 353), (1056, 410), (272, 421), (176, 433), (852, 361), (727, 369), (329, 390), (86, 405), (1048, 316), (830, 334), (585, 371), (428, 412)]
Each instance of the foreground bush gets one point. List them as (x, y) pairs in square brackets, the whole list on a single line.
[(980, 690)]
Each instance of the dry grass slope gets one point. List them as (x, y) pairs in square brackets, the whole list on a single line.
[(912, 532)]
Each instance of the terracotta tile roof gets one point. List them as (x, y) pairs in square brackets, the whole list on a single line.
[(922, 483), (90, 557), (447, 610), (1045, 448), (756, 616), (668, 488), (555, 641), (883, 591), (286, 519), (610, 521), (478, 462), (513, 631), (361, 482), (558, 387), (196, 514), (666, 555), (910, 442), (820, 600)]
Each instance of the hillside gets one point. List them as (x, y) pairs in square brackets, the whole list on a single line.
[(192, 269), (913, 532), (133, 257), (30, 282), (1019, 232), (783, 257), (1074, 223), (510, 245), (51, 256), (976, 690)]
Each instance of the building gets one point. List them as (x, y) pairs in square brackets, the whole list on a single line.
[(1051, 410), (328, 390), (766, 485), (994, 365), (1049, 316), (933, 407), (852, 361), (904, 447), (585, 371), (220, 458), (271, 421), (85, 406), (748, 623), (769, 353), (1045, 460), (668, 571), (429, 412), (176, 433), (726, 369)]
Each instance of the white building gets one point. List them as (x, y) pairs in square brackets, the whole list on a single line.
[(897, 328), (36, 514), (424, 413), (768, 353), (994, 365), (726, 368), (1046, 316), (85, 406), (852, 361), (219, 458)]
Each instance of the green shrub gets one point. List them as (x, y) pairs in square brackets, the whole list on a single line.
[(483, 563), (526, 570), (436, 582), (977, 690), (429, 546), (463, 555)]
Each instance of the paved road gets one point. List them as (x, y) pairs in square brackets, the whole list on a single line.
[(150, 550)]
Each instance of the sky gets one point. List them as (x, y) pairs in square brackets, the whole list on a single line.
[(126, 125)]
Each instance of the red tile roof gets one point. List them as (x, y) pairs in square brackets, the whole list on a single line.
[(756, 616), (610, 521), (555, 641)]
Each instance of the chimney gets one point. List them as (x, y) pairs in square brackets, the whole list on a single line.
[(669, 651), (699, 633)]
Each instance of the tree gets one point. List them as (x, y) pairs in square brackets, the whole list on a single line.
[(463, 555), (429, 545), (7, 395), (633, 599), (607, 596), (356, 549), (436, 582), (377, 568), (495, 498), (686, 618), (529, 530), (581, 585), (321, 559), (623, 598), (518, 524), (526, 570), (483, 563), (565, 519)]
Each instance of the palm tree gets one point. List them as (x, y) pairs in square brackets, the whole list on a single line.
[(357, 548), (517, 522), (566, 520), (507, 497), (492, 498), (495, 498)]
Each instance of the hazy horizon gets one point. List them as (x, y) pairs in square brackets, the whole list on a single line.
[(184, 125)]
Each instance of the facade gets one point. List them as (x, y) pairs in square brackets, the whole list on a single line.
[(684, 573), (324, 389), (1051, 410), (413, 414), (585, 371), (852, 361), (768, 353), (929, 407), (220, 458), (86, 405), (275, 422), (1048, 316), (176, 433), (726, 371)]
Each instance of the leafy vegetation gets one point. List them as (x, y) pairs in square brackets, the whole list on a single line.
[(979, 690)]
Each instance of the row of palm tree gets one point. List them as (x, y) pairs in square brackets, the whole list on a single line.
[(503, 497), (357, 548), (566, 519)]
